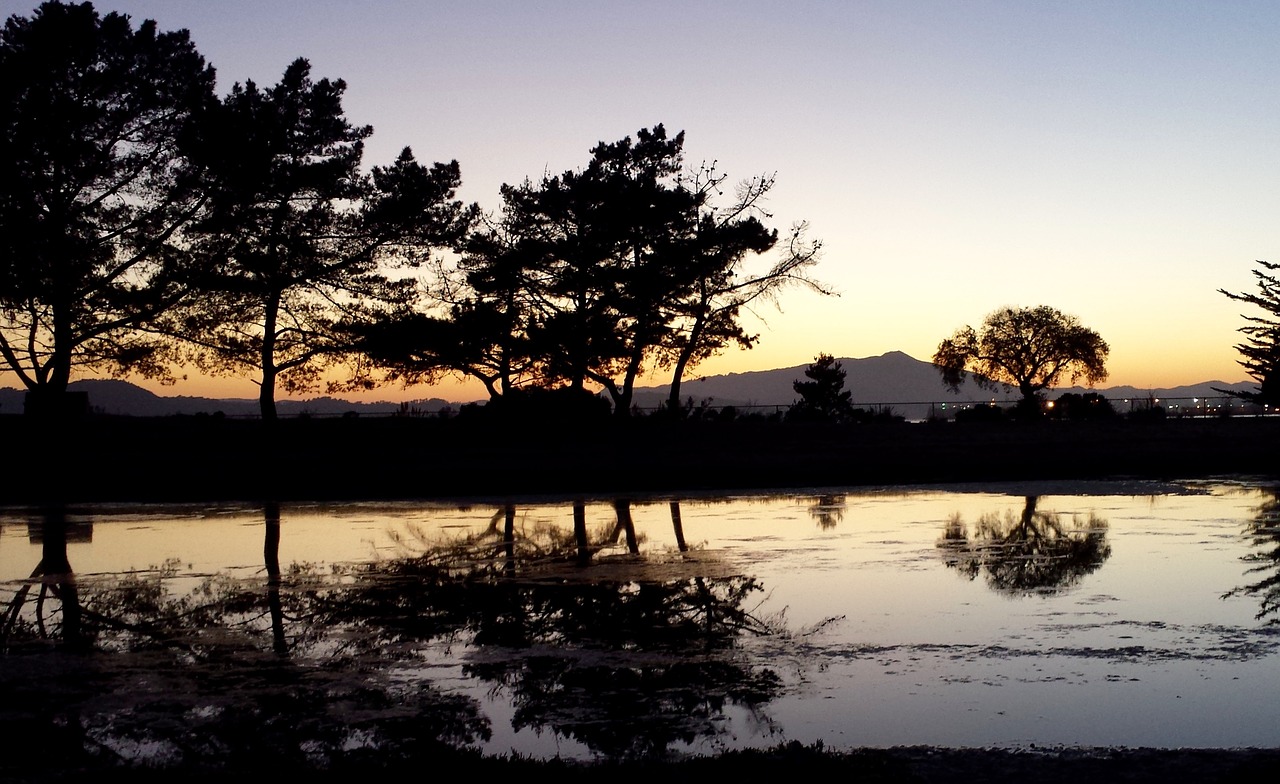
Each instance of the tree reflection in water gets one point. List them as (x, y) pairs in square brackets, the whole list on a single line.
[(627, 654), (226, 673), (1033, 553), (628, 657), (55, 612), (1263, 533), (828, 510)]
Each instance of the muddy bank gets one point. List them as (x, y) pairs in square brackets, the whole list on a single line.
[(205, 458)]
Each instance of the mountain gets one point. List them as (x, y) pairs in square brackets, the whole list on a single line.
[(121, 398), (911, 387), (889, 379)]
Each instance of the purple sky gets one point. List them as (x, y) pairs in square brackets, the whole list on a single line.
[(1116, 160)]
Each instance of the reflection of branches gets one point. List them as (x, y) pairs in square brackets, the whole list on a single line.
[(57, 583), (627, 654), (828, 510), (1263, 533), (626, 666), (1033, 553), (631, 711), (546, 599), (668, 674), (220, 697), (515, 543)]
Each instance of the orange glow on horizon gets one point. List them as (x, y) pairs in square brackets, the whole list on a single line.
[(1141, 372)]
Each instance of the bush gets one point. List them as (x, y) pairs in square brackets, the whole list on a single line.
[(561, 404), (981, 413), (1090, 405)]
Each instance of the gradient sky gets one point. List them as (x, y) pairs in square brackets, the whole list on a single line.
[(1115, 160)]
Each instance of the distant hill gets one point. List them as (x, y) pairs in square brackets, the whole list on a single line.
[(909, 386), (889, 379), (895, 379), (121, 398)]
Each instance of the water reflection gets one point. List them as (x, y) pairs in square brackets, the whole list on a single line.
[(623, 654), (304, 633), (828, 510), (1035, 552), (271, 557), (1263, 534), (625, 665), (55, 612)]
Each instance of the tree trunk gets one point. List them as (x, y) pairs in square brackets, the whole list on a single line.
[(622, 402), (267, 391), (271, 559), (682, 362), (580, 532), (57, 574), (678, 525), (60, 374), (509, 539), (267, 396), (48, 398), (1029, 510), (622, 508), (504, 373)]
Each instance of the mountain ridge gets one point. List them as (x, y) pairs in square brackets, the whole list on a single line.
[(894, 379), (911, 387), (123, 398)]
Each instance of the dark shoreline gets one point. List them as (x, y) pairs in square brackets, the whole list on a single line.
[(211, 459), (928, 764)]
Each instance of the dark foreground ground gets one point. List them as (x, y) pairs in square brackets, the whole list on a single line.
[(785, 763), (205, 458), (192, 459)]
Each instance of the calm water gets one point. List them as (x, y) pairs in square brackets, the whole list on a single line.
[(1132, 614)]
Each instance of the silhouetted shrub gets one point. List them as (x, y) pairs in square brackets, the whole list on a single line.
[(1147, 414), (1090, 405), (879, 415), (981, 413), (823, 397), (562, 404), (472, 410), (1028, 409), (700, 411)]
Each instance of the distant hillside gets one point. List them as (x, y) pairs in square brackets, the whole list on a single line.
[(908, 385), (122, 398), (893, 378)]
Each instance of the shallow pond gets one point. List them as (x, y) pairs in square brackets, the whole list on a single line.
[(1100, 613)]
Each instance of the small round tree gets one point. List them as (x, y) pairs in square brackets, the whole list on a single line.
[(1028, 348), (823, 397)]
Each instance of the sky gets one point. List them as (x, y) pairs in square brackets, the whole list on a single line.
[(1115, 160)]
